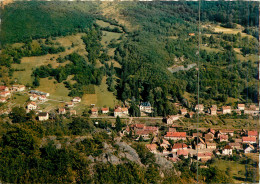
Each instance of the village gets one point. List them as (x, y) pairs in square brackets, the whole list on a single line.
[(175, 142)]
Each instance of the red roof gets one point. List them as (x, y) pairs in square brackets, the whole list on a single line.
[(140, 126), (151, 147), (226, 107), (204, 154), (175, 134), (94, 110), (227, 147), (223, 137), (2, 88), (252, 133), (151, 128), (104, 109), (249, 139), (179, 145), (182, 152)]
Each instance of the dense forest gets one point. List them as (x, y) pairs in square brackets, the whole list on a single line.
[(156, 38)]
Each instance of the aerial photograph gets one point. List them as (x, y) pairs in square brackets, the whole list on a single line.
[(129, 92)]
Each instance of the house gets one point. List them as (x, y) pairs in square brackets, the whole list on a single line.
[(250, 140), (145, 107), (252, 133), (62, 111), (171, 118), (227, 150), (209, 137), (31, 106), (212, 131), (175, 135), (238, 140), (226, 132), (196, 134), (165, 144), (4, 88), (226, 109), (241, 107), (183, 111), (191, 114), (213, 111), (42, 98), (215, 107), (18, 88), (223, 138), (43, 116), (235, 145), (199, 143), (69, 104), (249, 149), (183, 152), (73, 112), (172, 129), (76, 99), (251, 112), (5, 94), (254, 108), (39, 93), (199, 108), (3, 100), (34, 97), (120, 112), (105, 110), (94, 111), (211, 145), (179, 146), (151, 147), (138, 126), (204, 156)]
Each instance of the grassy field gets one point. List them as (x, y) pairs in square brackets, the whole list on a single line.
[(220, 29), (57, 91), (30, 63), (235, 168), (208, 49), (101, 98)]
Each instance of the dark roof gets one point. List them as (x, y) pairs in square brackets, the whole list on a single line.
[(146, 104), (43, 114)]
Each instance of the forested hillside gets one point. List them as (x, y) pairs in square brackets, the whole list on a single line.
[(129, 49)]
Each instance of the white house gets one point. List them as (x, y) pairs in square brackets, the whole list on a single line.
[(145, 107), (249, 149), (105, 110), (171, 118), (31, 106), (199, 107), (227, 150), (43, 116), (76, 99), (226, 110), (34, 97), (18, 88), (241, 107)]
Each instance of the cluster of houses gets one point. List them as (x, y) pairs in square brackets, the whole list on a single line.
[(6, 92), (252, 110), (68, 109), (213, 110), (200, 145)]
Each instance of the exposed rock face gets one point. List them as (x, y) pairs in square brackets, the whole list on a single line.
[(128, 152), (163, 162)]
